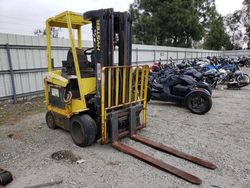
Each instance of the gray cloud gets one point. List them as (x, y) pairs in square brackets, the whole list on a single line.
[(23, 16)]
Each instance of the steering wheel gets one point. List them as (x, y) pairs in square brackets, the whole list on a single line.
[(89, 51)]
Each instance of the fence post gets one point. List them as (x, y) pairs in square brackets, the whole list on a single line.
[(11, 73), (167, 57), (154, 56), (136, 55), (177, 56)]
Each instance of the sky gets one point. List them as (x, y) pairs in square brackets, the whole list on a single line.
[(24, 16), (225, 7)]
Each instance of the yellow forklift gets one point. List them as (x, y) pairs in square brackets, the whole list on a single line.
[(94, 98)]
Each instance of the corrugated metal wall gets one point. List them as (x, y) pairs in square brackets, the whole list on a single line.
[(236, 53), (29, 60)]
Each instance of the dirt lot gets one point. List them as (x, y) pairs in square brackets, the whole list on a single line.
[(221, 136)]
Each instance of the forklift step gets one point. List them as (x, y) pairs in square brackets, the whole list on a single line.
[(172, 151), (156, 163)]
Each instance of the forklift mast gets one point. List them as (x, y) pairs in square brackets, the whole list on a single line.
[(111, 30)]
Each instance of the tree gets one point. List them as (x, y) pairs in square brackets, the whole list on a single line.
[(170, 22), (234, 26), (217, 38), (248, 36), (54, 32), (238, 26), (246, 21)]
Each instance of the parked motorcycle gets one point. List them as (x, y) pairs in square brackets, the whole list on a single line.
[(231, 75), (224, 72), (181, 89), (243, 61), (190, 82)]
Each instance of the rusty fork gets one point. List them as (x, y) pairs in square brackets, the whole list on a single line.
[(159, 163), (131, 114), (172, 151)]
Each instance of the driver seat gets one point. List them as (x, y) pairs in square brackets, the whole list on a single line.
[(86, 67)]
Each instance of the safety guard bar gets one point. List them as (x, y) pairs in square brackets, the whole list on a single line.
[(134, 82)]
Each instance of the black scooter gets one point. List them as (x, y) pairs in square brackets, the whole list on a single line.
[(182, 89)]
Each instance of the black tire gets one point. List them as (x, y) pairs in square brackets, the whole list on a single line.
[(246, 79), (5, 177), (202, 98), (83, 130), (50, 120)]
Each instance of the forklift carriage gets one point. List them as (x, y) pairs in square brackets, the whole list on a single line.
[(94, 98)]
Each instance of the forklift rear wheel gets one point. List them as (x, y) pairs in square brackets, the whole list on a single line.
[(50, 120), (83, 130)]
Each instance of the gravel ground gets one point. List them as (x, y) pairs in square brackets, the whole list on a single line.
[(222, 136)]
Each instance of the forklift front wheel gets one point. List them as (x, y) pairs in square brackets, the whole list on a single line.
[(83, 130), (50, 120)]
